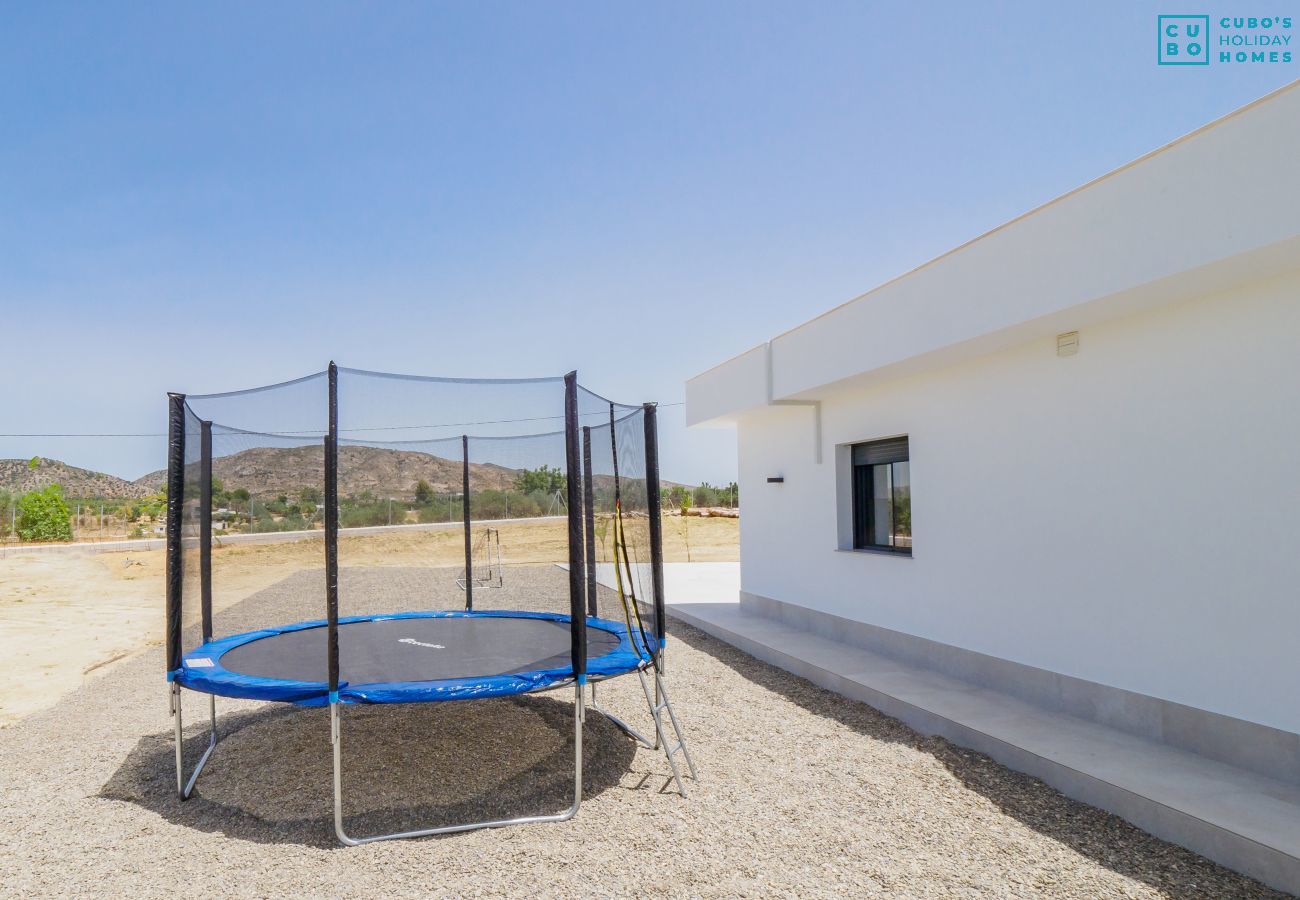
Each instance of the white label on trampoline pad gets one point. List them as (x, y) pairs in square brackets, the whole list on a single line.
[(200, 662), (421, 643)]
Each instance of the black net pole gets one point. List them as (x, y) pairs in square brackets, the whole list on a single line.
[(332, 531), (175, 505), (573, 467), (469, 540), (205, 527), (656, 523), (589, 519), (613, 453)]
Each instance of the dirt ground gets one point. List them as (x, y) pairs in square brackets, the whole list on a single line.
[(802, 793), (65, 616)]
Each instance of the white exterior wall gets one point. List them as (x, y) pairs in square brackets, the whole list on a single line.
[(1129, 515), (1211, 211)]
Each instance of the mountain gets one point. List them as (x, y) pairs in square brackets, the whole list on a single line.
[(271, 471), (18, 476), (267, 472)]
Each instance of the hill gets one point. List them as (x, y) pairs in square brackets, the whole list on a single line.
[(16, 475), (267, 472)]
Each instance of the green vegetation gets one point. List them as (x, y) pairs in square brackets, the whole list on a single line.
[(709, 495), (49, 515), (527, 493), (152, 507), (903, 510), (44, 515), (423, 492), (544, 480)]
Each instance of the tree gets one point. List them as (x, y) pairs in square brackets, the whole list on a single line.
[(729, 495), (677, 496), (544, 479), (706, 495), (44, 515), (423, 492)]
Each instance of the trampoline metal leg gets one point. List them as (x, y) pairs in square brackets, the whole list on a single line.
[(579, 717), (185, 788)]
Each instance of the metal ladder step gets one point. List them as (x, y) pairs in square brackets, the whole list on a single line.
[(657, 708)]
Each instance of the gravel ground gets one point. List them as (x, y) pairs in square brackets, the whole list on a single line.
[(802, 793)]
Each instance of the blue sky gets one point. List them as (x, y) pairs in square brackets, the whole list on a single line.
[(202, 197)]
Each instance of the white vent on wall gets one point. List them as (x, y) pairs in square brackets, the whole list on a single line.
[(1067, 344)]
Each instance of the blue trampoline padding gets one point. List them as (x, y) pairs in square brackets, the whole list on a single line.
[(202, 668)]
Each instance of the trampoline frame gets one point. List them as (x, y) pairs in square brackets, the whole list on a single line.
[(582, 587)]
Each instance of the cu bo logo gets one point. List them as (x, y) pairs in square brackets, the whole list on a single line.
[(1184, 40)]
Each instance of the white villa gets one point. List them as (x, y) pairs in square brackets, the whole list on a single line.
[(1041, 495)]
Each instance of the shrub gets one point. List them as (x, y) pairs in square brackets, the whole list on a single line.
[(423, 492), (363, 515), (440, 509), (44, 516), (706, 495), (546, 479)]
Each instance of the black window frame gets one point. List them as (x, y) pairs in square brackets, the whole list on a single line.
[(864, 458)]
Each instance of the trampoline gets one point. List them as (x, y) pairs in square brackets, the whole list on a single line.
[(336, 451), (415, 657)]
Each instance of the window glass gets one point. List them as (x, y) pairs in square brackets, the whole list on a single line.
[(882, 502), (902, 479), (882, 495)]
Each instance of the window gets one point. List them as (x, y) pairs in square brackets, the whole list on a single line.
[(882, 496)]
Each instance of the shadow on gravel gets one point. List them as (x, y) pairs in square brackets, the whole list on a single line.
[(1100, 836), (404, 767)]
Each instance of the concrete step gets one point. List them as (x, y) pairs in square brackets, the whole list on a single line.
[(1237, 818)]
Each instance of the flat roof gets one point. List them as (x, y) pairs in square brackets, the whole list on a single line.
[(1127, 239)]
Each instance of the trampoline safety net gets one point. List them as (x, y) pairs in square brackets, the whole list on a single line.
[(347, 496)]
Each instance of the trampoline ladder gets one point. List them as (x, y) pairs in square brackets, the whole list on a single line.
[(657, 709)]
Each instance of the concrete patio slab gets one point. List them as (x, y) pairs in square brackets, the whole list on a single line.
[(1236, 817)]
